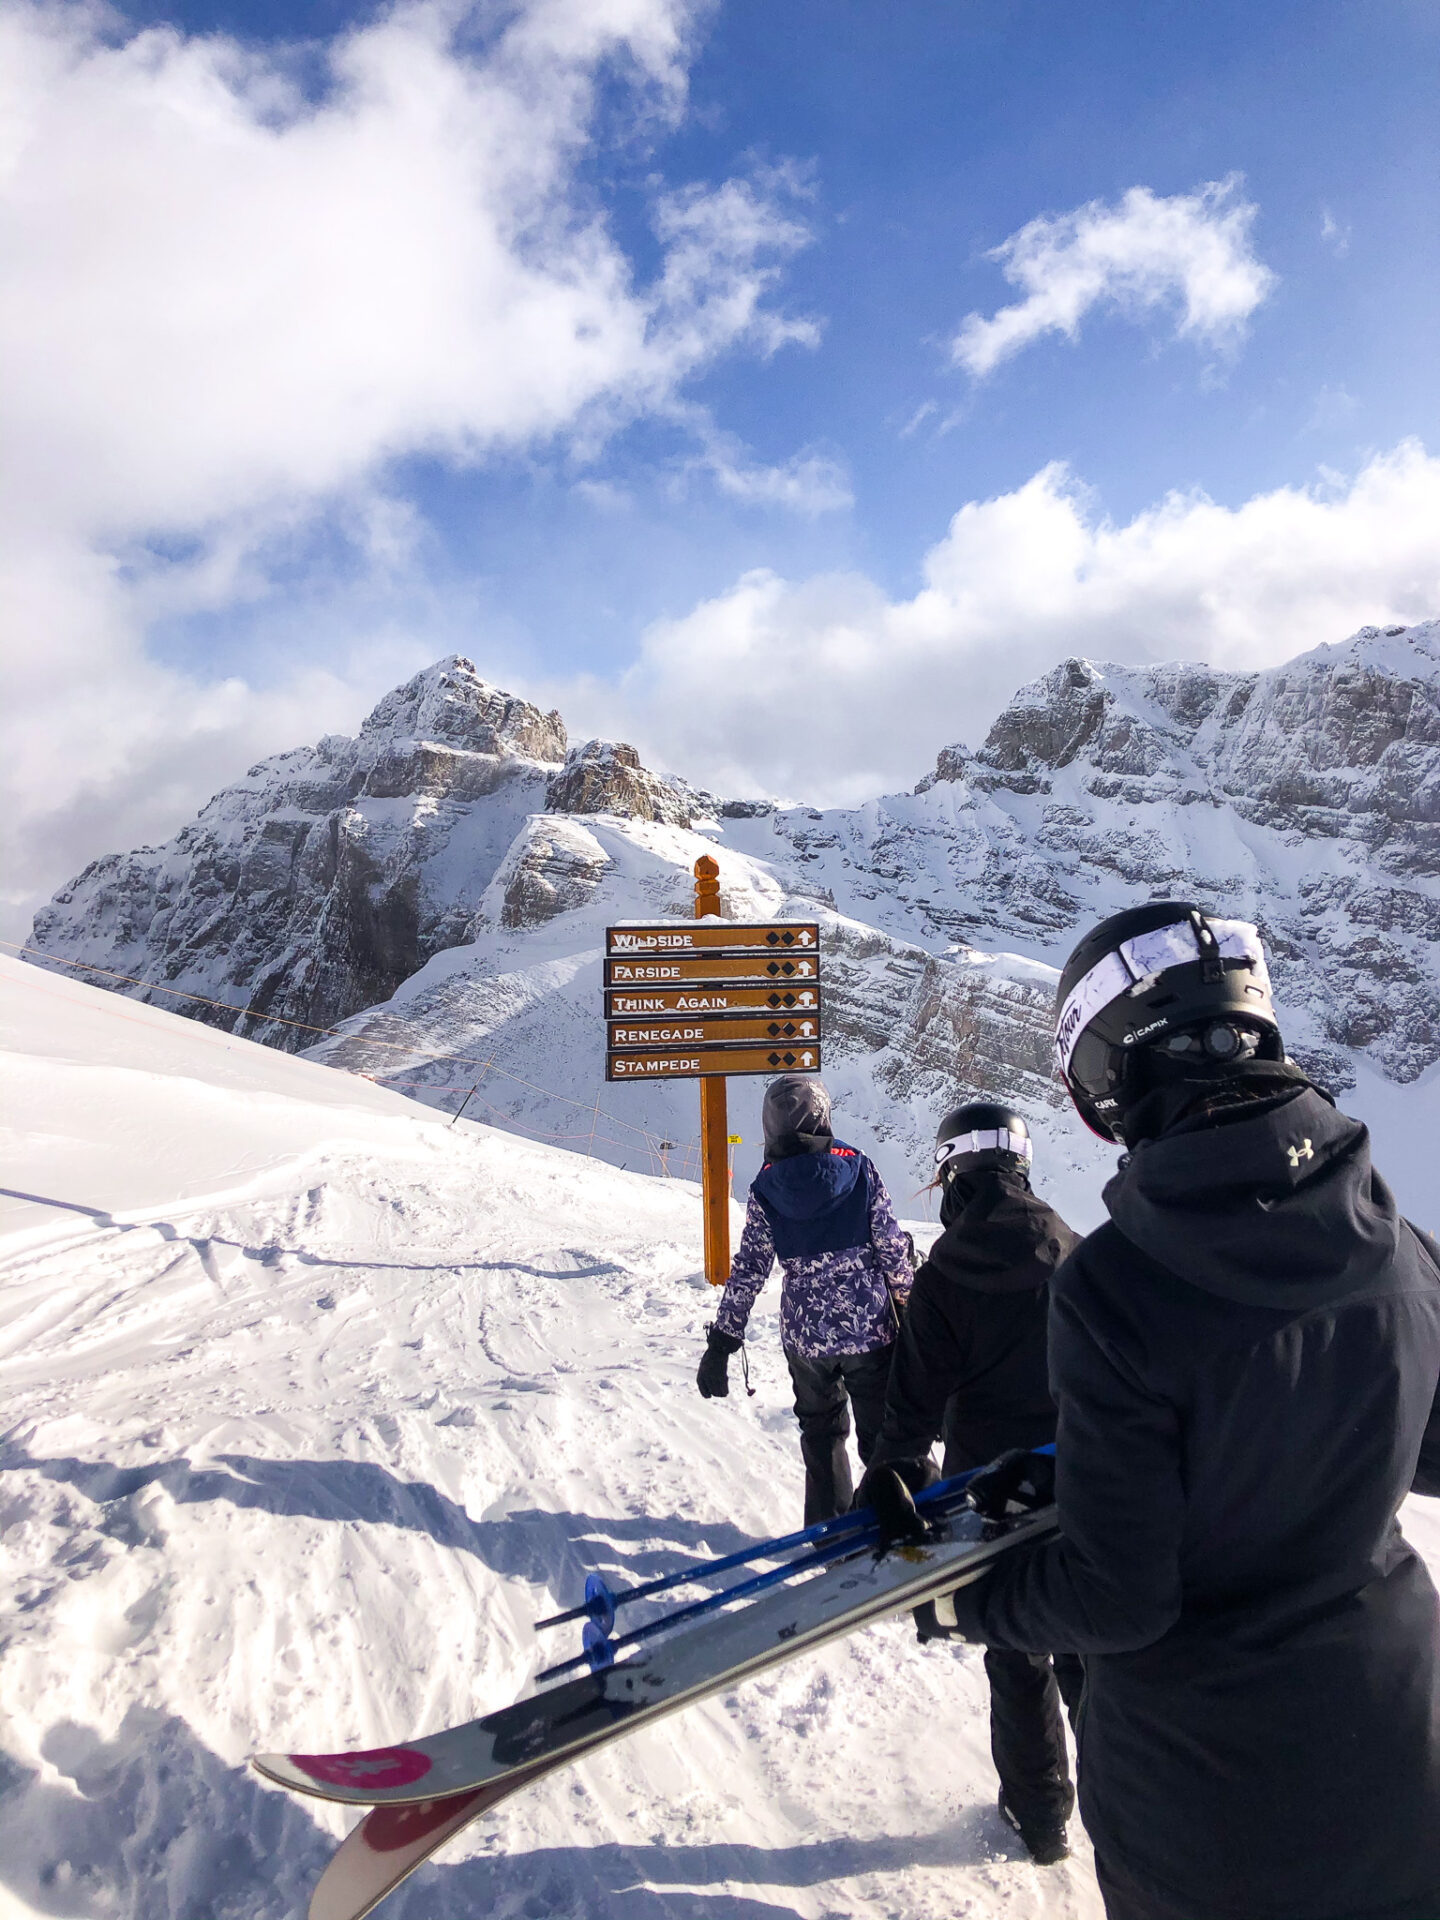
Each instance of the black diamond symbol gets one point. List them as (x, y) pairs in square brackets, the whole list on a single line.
[(789, 1027), (779, 999), (774, 967), (789, 939), (788, 1058), (773, 939), (774, 1059), (774, 1027), (787, 966), (788, 998)]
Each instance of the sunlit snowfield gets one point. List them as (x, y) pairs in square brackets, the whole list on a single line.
[(313, 1404)]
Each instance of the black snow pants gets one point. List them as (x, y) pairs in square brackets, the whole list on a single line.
[(825, 1390), (1027, 1733)]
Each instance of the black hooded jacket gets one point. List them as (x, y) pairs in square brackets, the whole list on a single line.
[(974, 1333), (1246, 1360)]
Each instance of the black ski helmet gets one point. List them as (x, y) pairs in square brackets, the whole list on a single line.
[(981, 1134), (1167, 977)]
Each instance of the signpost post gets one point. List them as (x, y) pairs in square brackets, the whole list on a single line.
[(714, 1125), (686, 1002)]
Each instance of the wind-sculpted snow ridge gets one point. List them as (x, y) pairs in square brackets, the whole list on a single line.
[(313, 1404), (450, 900)]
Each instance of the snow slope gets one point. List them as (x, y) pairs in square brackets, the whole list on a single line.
[(312, 1404)]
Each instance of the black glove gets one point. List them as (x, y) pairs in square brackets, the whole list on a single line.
[(953, 1616), (1017, 1482), (712, 1375), (885, 1492)]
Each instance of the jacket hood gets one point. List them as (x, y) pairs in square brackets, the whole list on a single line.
[(998, 1238), (1275, 1205), (795, 1116), (807, 1185)]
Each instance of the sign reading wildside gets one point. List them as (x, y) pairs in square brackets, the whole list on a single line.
[(702, 999)]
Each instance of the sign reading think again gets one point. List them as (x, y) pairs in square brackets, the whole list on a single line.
[(787, 1000)]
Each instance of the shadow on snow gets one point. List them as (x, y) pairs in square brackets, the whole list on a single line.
[(152, 1825), (531, 1545)]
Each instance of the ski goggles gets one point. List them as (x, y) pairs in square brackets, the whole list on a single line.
[(991, 1140), (1139, 963)]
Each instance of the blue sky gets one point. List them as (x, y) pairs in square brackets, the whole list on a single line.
[(273, 477)]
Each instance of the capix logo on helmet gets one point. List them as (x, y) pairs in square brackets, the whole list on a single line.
[(1144, 1033)]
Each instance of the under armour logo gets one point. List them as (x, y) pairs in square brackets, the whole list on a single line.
[(1297, 1154)]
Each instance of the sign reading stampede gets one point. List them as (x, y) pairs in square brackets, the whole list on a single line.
[(685, 1000), (692, 1064)]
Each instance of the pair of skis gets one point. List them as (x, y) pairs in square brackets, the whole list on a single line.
[(836, 1579)]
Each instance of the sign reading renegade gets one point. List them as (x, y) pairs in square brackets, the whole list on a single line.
[(686, 1000)]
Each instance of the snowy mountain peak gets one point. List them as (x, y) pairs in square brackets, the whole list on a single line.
[(605, 776), (1349, 729), (1409, 653), (449, 703)]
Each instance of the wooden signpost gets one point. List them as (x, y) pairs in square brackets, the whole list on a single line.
[(688, 1001)]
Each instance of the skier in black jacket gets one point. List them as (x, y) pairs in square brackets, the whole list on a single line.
[(971, 1362), (1246, 1359)]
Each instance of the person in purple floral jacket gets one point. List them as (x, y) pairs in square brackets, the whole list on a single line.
[(821, 1209)]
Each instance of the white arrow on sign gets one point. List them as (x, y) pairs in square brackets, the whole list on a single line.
[(807, 1059)]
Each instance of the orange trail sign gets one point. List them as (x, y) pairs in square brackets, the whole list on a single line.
[(784, 1029), (641, 1002), (785, 969), (679, 1063), (712, 936)]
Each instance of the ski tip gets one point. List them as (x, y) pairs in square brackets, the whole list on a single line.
[(359, 1778)]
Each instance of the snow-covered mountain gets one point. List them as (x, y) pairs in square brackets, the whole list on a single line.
[(438, 888)]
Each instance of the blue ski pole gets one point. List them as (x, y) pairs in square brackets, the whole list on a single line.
[(599, 1606), (599, 1598)]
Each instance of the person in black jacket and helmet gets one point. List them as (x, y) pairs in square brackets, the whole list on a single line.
[(1246, 1359), (970, 1363)]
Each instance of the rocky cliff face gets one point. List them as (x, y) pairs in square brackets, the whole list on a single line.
[(452, 869), (605, 776), (328, 875), (1307, 797)]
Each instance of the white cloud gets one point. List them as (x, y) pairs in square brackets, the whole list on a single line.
[(826, 690), (1149, 251), (225, 306), (1335, 236)]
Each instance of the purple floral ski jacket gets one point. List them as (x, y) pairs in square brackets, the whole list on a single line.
[(844, 1258)]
